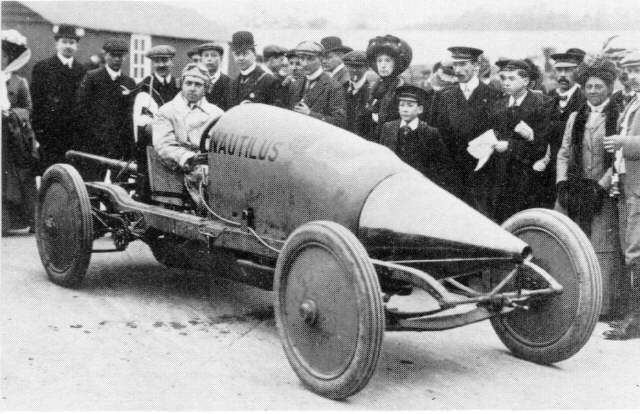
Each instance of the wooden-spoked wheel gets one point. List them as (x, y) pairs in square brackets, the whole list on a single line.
[(64, 226), (329, 309), (554, 327)]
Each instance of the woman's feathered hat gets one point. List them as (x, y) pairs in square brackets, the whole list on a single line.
[(392, 46)]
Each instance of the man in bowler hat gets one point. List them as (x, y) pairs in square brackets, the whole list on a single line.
[(54, 82), (253, 84), (332, 61), (219, 86), (413, 140), (317, 94), (104, 104)]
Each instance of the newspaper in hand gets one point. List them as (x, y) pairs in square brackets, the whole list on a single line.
[(482, 147)]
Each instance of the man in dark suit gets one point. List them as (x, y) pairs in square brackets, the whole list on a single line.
[(413, 140), (461, 113), (566, 99), (219, 89), (54, 82), (317, 94), (357, 95), (253, 84), (520, 121), (104, 104), (276, 63), (332, 61)]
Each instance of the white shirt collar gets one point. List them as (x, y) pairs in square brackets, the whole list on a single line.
[(315, 75), (214, 78), (568, 92), (413, 124), (517, 102), (66, 61), (599, 108), (249, 69), (166, 79), (357, 85), (197, 105), (337, 69), (113, 74), (471, 85)]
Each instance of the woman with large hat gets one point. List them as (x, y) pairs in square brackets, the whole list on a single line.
[(388, 56), (18, 140)]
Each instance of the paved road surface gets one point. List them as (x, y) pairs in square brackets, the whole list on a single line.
[(138, 336)]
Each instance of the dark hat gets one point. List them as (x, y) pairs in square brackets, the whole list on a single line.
[(579, 53), (210, 46), (273, 51), (161, 51), (334, 44), (463, 53), (632, 59), (501, 63), (392, 46), (115, 46), (355, 58), (412, 93), (67, 31), (599, 67), (308, 48), (242, 40), (517, 65), (565, 60), (193, 51)]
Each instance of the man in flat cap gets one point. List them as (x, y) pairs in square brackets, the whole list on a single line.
[(566, 99), (277, 64), (413, 140), (219, 89), (520, 121), (626, 149), (54, 82), (194, 55), (180, 123), (461, 113), (151, 93), (104, 103), (357, 94), (253, 84), (332, 60), (317, 95)]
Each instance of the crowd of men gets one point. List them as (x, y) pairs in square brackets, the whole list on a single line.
[(575, 148)]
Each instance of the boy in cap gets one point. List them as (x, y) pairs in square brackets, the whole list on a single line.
[(461, 113), (104, 104), (54, 82), (219, 83), (194, 55), (413, 140), (317, 94), (332, 60), (253, 84), (626, 147), (357, 94), (276, 62), (519, 121)]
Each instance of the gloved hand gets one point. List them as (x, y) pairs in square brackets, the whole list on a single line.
[(562, 190)]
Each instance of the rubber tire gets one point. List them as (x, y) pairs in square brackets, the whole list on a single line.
[(352, 256), (78, 208), (589, 289)]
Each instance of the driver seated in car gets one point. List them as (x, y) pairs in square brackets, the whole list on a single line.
[(180, 123)]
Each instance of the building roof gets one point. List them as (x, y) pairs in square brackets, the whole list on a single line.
[(153, 18)]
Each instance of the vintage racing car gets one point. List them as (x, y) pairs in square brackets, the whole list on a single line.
[(338, 227)]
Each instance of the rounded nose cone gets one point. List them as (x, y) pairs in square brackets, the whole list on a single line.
[(407, 208)]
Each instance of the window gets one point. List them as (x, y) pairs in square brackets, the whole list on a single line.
[(140, 66)]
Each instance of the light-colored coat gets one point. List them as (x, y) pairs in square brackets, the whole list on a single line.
[(631, 180), (178, 127)]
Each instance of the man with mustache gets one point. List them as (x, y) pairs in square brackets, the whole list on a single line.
[(54, 82), (626, 150), (566, 99), (276, 63), (461, 113)]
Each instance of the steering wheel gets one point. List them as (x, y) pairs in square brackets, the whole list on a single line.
[(205, 135)]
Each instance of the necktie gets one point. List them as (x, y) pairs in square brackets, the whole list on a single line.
[(563, 97), (405, 130)]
